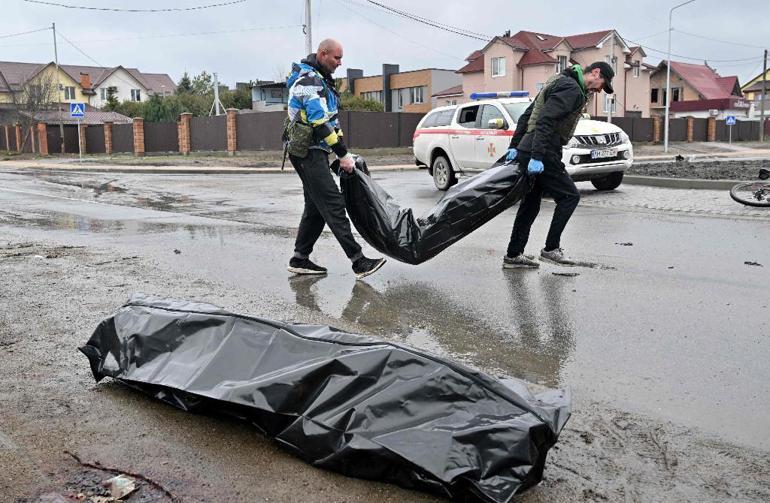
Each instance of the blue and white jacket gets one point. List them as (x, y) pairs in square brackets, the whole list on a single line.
[(313, 100)]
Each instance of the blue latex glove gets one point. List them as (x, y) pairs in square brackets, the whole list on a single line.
[(535, 167), (511, 155)]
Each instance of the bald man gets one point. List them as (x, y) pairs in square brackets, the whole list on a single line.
[(313, 100)]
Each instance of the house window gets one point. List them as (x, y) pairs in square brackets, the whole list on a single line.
[(654, 96), (276, 94), (105, 92), (676, 94), (498, 67), (613, 62), (372, 96), (417, 94), (637, 70), (400, 99), (136, 95), (562, 64), (609, 102), (69, 93)]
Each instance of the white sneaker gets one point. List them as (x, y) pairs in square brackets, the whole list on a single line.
[(556, 256), (520, 261)]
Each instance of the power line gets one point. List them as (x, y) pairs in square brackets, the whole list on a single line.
[(59, 33), (345, 3), (170, 35), (717, 40), (111, 9), (692, 58), (195, 34), (434, 24), (24, 32)]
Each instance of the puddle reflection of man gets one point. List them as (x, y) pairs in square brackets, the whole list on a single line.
[(544, 326)]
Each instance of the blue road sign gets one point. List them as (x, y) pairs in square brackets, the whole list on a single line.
[(77, 110), (730, 120)]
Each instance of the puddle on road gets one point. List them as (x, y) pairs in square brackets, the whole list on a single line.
[(532, 341)]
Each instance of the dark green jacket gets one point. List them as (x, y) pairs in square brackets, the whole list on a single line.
[(550, 121)]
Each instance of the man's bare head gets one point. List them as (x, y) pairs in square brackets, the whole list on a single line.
[(329, 55)]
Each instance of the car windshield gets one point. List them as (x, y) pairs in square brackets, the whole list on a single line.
[(516, 109)]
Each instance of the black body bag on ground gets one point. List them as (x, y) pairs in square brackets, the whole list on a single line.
[(356, 405), (396, 232)]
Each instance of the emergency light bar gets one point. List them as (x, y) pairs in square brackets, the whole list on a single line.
[(506, 94)]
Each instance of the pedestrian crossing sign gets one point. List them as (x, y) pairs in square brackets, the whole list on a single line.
[(77, 110)]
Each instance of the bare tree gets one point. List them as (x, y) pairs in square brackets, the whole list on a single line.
[(33, 96), (280, 73), (36, 96)]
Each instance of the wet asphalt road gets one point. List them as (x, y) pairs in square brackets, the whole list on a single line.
[(673, 325)]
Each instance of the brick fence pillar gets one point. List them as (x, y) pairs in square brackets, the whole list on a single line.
[(185, 143), (7, 137), (712, 129), (232, 130), (18, 138), (138, 136), (656, 129), (690, 129), (108, 138), (42, 138), (82, 138), (32, 141)]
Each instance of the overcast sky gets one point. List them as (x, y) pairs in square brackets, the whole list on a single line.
[(271, 36)]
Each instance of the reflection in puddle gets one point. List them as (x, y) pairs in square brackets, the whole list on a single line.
[(533, 344)]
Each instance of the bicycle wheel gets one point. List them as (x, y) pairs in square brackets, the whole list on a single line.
[(752, 193)]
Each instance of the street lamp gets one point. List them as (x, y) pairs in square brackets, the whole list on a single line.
[(668, 71)]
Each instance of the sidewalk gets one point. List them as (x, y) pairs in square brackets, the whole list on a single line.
[(181, 170), (644, 153)]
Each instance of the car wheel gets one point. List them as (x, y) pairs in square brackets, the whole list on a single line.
[(443, 175), (609, 182)]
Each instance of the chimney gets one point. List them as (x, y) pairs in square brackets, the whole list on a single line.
[(85, 81)]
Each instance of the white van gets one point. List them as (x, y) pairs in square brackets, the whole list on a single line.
[(473, 136)]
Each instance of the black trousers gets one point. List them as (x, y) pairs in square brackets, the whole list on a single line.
[(324, 205), (555, 181)]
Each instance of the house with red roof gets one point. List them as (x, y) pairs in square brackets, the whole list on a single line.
[(526, 60), (697, 91)]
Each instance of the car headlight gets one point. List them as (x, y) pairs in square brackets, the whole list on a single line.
[(624, 137), (573, 143)]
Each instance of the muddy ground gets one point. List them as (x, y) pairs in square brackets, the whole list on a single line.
[(703, 170), (52, 297)]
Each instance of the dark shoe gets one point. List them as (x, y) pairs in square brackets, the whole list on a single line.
[(520, 261), (365, 266), (305, 266)]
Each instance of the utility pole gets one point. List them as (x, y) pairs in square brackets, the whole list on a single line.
[(58, 90), (668, 71), (217, 105), (216, 93), (308, 29), (762, 103), (611, 97)]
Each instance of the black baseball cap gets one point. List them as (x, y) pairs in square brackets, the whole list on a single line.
[(606, 72)]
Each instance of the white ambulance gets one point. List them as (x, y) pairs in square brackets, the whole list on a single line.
[(456, 139)]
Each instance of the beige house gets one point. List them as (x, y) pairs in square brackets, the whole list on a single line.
[(526, 60), (82, 84), (696, 91), (410, 91)]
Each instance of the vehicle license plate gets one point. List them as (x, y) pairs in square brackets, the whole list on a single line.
[(603, 154)]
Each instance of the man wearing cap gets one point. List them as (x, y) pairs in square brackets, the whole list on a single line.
[(548, 124)]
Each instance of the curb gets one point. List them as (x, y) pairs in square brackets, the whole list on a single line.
[(177, 170), (679, 183)]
